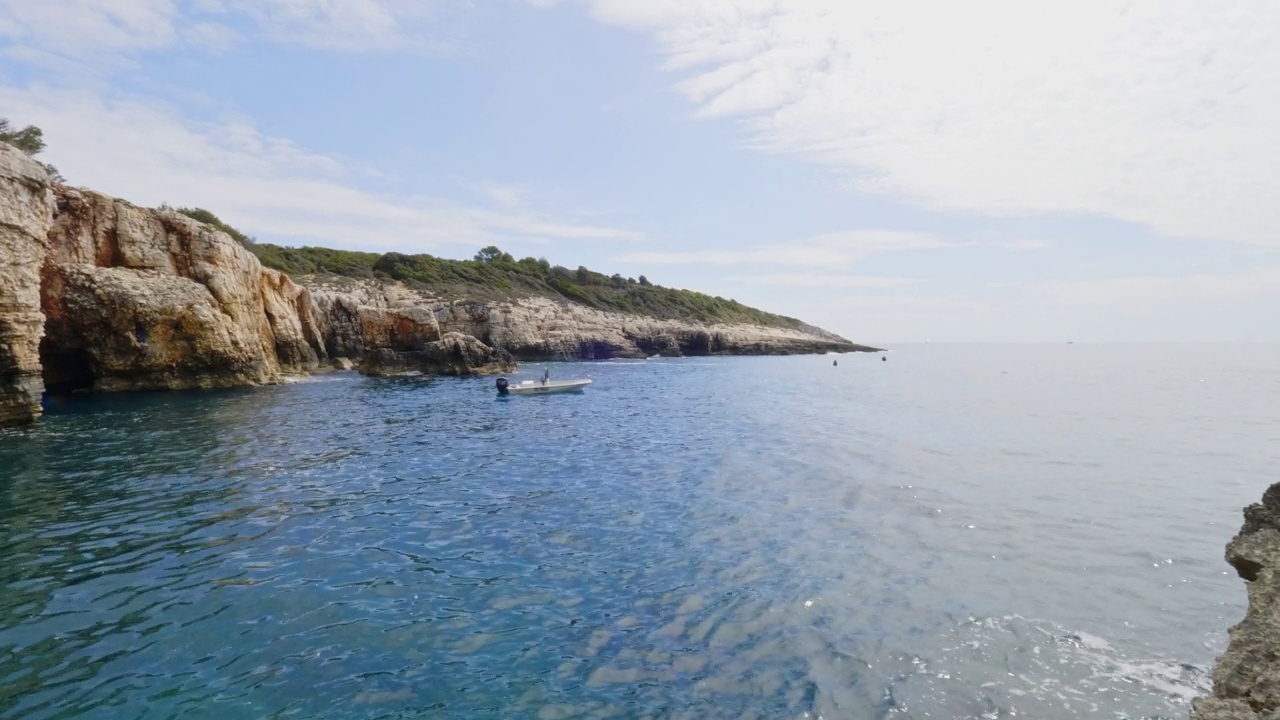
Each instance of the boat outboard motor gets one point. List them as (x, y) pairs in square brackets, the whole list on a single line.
[(502, 386)]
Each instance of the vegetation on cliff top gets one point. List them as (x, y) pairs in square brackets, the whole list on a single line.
[(29, 140), (494, 274)]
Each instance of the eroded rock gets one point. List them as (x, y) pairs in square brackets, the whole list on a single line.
[(1246, 679), (26, 211), (140, 299), (145, 330), (366, 315), (453, 354)]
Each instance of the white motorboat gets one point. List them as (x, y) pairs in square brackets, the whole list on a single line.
[(545, 386)]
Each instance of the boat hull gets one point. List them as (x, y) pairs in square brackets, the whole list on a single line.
[(550, 388)]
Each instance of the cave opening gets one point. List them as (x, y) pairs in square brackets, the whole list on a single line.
[(65, 370)]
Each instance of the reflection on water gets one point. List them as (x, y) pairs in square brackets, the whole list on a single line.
[(961, 532)]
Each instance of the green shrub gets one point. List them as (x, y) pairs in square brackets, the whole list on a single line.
[(209, 218)]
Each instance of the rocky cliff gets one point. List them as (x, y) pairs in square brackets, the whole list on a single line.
[(369, 314), (1246, 680), (138, 299), (26, 210), (97, 293)]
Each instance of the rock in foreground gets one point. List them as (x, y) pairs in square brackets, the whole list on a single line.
[(1246, 679)]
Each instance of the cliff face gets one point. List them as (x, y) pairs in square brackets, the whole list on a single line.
[(96, 293), (372, 314), (453, 354), (26, 207), (140, 299), (1246, 680)]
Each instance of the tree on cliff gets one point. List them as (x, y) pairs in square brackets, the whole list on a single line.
[(493, 253), (29, 140)]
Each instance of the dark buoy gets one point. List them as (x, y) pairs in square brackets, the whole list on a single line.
[(835, 363), (502, 386), (883, 358)]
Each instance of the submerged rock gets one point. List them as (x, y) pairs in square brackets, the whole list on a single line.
[(1246, 679)]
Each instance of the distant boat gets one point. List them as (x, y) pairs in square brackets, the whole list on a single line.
[(540, 387)]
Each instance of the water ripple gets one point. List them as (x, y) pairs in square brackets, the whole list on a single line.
[(923, 538)]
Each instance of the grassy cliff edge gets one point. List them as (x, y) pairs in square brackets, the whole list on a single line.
[(494, 275)]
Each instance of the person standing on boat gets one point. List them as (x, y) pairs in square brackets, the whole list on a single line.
[(546, 376)]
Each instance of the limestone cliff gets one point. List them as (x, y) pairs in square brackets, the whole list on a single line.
[(26, 205), (139, 299), (366, 313), (453, 354), (1246, 680), (97, 293)]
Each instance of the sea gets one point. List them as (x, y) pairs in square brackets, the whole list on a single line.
[(939, 531)]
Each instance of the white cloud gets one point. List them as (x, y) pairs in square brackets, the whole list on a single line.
[(805, 280), (889, 318), (830, 250), (147, 153), (1025, 245), (499, 193), (86, 29), (1152, 112), (1159, 290), (352, 25), (211, 36), (100, 35)]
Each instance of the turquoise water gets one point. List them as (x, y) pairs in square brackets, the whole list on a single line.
[(984, 531)]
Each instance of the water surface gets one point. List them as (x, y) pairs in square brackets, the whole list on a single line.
[(961, 531)]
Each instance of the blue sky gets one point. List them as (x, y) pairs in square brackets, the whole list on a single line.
[(906, 171)]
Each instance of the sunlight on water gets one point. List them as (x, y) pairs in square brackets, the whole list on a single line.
[(982, 532)]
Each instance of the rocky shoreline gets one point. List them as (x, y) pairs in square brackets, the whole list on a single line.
[(99, 294), (1246, 679)]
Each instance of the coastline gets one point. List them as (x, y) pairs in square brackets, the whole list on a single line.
[(106, 296)]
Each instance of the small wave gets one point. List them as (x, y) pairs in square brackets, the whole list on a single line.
[(1017, 667), (319, 377)]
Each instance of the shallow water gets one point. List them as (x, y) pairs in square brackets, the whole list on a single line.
[(961, 531)]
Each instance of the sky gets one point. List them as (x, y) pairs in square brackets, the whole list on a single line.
[(905, 171)]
